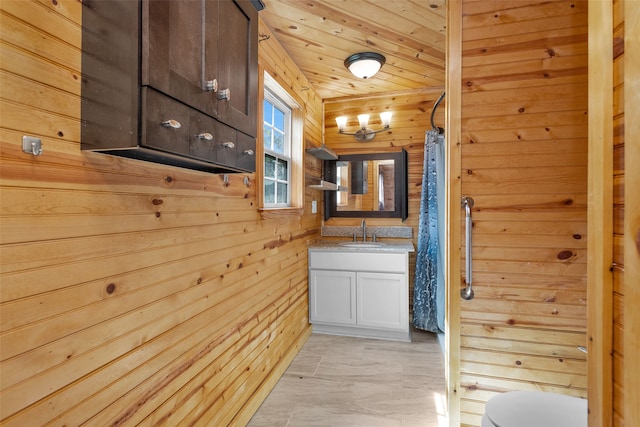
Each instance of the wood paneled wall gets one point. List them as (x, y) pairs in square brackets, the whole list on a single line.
[(411, 119), (133, 292), (614, 214), (524, 161)]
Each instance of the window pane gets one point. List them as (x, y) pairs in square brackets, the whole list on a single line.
[(277, 145), (268, 132), (278, 142), (282, 170), (268, 112), (269, 166), (282, 193), (278, 120), (269, 192)]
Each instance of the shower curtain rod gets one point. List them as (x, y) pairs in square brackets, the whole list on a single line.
[(433, 112)]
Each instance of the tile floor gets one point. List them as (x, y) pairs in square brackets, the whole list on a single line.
[(352, 382)]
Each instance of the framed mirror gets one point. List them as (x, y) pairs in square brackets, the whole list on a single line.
[(369, 186)]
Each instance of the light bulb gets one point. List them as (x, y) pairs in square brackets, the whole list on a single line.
[(363, 119), (341, 121), (385, 118)]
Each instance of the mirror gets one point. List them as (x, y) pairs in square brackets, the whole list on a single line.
[(369, 186)]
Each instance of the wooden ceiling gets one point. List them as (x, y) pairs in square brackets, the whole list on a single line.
[(320, 34)]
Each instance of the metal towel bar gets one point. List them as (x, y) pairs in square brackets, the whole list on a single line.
[(467, 292)]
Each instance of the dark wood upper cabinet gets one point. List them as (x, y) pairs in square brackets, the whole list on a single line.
[(173, 82)]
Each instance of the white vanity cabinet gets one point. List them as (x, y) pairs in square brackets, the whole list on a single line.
[(359, 293)]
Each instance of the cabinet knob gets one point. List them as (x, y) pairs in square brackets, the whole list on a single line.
[(224, 94), (228, 144), (173, 124), (211, 85), (205, 135), (248, 152)]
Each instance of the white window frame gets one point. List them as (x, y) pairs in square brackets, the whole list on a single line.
[(276, 102), (268, 84)]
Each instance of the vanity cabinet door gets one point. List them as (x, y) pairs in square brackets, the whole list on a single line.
[(382, 300), (332, 297)]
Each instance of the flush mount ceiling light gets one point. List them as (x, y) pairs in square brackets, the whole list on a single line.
[(364, 134), (364, 64)]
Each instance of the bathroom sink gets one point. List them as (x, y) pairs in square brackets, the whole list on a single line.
[(361, 244)]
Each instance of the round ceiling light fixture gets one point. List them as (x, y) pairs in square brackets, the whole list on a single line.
[(364, 64)]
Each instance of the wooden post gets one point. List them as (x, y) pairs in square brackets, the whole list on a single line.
[(452, 207), (632, 213), (600, 219)]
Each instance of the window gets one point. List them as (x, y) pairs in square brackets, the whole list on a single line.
[(281, 167), (342, 172), (277, 151)]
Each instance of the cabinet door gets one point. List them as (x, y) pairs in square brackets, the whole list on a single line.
[(237, 55), (332, 297), (173, 57), (383, 300)]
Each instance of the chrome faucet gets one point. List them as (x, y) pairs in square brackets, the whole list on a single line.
[(364, 230)]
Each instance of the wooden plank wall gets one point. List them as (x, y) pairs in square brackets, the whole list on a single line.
[(411, 119), (133, 292), (524, 157), (618, 213)]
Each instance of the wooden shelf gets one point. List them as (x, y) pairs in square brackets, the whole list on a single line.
[(323, 153), (324, 185)]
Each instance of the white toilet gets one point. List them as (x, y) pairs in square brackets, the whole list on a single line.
[(535, 409)]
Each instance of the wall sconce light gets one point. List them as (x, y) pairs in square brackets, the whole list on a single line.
[(364, 134), (364, 64)]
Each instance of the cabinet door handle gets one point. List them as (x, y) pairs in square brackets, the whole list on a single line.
[(173, 124), (224, 94), (248, 152), (228, 144), (205, 135), (211, 85)]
